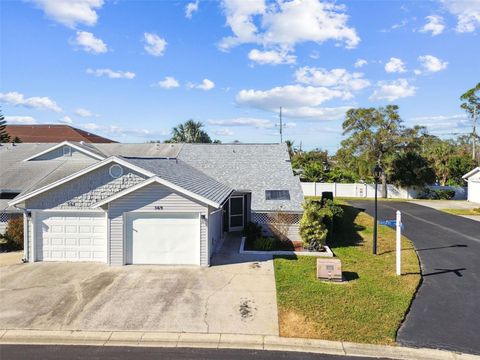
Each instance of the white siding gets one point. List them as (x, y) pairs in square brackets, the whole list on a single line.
[(146, 199), (215, 229), (58, 154)]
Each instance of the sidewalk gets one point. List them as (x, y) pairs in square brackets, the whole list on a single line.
[(222, 341)]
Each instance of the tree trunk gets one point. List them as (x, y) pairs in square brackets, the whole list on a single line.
[(384, 185)]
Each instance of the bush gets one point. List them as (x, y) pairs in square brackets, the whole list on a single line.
[(430, 194), (14, 233), (264, 243), (313, 230)]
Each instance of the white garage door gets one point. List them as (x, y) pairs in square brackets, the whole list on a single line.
[(166, 238), (68, 236)]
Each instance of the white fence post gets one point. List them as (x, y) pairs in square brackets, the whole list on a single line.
[(399, 242)]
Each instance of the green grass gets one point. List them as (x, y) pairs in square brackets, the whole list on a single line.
[(475, 211), (369, 307)]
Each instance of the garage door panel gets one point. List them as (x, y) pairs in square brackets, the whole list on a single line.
[(71, 237), (167, 238)]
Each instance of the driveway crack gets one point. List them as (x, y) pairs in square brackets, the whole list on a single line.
[(205, 314)]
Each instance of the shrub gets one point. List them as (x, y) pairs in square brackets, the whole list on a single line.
[(252, 231), (336, 210), (312, 226), (264, 243), (440, 194), (279, 226), (14, 233)]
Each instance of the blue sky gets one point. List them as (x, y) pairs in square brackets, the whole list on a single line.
[(131, 70)]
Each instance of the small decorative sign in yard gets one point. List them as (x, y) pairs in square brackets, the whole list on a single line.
[(398, 225), (329, 269)]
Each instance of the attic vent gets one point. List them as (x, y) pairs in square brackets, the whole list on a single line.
[(115, 171), (277, 195)]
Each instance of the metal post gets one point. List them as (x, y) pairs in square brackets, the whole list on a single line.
[(399, 242), (375, 222)]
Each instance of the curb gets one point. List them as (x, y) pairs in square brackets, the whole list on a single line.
[(222, 341)]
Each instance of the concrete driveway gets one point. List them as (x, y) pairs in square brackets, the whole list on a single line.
[(445, 311), (237, 297)]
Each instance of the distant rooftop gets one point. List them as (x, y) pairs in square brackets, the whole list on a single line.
[(53, 134)]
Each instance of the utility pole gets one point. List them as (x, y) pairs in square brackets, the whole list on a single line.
[(281, 127), (474, 133)]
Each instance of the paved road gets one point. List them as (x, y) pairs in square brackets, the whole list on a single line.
[(37, 352), (446, 310)]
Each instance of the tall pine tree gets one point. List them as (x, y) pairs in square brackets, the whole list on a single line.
[(4, 137)]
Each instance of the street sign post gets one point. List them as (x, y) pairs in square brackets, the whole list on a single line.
[(398, 226)]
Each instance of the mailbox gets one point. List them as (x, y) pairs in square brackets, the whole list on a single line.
[(329, 269)]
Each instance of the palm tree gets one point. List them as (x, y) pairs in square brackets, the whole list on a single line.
[(189, 132), (291, 149)]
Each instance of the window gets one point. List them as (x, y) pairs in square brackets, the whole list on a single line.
[(277, 195), (67, 151), (116, 171)]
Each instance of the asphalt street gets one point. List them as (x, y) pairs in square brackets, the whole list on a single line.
[(445, 312), (40, 352)]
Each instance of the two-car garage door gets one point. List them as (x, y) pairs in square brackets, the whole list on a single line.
[(150, 238), (70, 236)]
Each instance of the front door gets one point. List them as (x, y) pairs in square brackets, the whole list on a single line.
[(236, 213)]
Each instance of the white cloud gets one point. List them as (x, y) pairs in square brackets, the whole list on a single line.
[(223, 132), (205, 85), (168, 83), (20, 120), (395, 65), (434, 25), (242, 121), (90, 43), (190, 9), (18, 99), (360, 63), (119, 131), (273, 57), (111, 73), (290, 96), (317, 113), (66, 120), (432, 64), (393, 90), (285, 24), (83, 112), (71, 12), (154, 44), (336, 78), (443, 124), (467, 13)]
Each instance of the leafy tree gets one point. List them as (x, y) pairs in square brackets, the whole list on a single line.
[(374, 135), (4, 137), (412, 169), (439, 155), (314, 172), (459, 165), (16, 140), (190, 132), (471, 104)]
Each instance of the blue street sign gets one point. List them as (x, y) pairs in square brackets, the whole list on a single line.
[(390, 223)]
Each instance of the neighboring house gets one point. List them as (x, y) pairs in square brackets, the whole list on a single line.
[(144, 203), (473, 179), (52, 134)]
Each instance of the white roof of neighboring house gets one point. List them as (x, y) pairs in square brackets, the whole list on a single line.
[(471, 173)]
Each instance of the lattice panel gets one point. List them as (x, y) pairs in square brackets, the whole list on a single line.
[(4, 217), (271, 218)]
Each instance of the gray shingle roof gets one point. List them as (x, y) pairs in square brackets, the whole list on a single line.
[(210, 170), (249, 167), (181, 174)]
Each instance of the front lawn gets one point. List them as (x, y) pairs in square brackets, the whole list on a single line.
[(369, 307), (475, 211)]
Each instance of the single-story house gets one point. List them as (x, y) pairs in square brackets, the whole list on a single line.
[(144, 203), (473, 180)]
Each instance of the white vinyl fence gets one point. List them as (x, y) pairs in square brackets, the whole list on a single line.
[(360, 190)]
